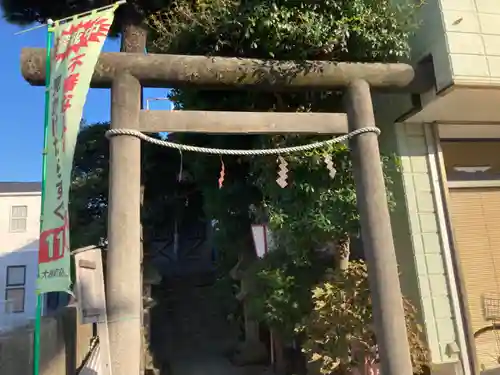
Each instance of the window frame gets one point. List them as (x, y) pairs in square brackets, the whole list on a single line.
[(12, 218), (21, 310), (462, 179), (15, 286), (21, 266)]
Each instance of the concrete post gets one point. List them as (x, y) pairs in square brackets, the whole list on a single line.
[(124, 248), (388, 312)]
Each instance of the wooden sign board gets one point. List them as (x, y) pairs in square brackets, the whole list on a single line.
[(89, 287), (91, 300)]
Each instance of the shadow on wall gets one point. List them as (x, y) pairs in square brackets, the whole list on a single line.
[(27, 257), (64, 344)]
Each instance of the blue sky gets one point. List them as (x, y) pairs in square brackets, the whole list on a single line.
[(22, 107)]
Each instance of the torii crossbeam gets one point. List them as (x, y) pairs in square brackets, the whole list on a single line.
[(125, 73)]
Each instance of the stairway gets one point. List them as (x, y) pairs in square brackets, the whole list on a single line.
[(194, 331), (196, 322)]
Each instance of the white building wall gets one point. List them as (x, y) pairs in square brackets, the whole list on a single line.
[(19, 248), (473, 34), (418, 240), (430, 38), (427, 242), (463, 37), (420, 235)]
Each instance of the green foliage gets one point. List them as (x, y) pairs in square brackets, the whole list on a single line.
[(89, 189), (313, 211), (359, 30), (279, 292), (346, 30), (29, 11), (339, 329), (25, 12)]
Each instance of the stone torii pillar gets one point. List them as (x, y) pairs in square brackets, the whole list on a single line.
[(125, 72)]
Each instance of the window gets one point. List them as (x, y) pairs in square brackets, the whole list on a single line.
[(18, 218), (469, 160), (15, 289)]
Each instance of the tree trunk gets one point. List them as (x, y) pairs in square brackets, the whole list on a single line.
[(134, 31)]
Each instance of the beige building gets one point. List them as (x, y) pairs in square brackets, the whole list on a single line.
[(447, 223)]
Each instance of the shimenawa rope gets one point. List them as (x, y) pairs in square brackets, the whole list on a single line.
[(218, 151)]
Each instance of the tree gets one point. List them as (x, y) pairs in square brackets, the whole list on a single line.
[(331, 334), (129, 18), (26, 12), (361, 30), (313, 212), (89, 189)]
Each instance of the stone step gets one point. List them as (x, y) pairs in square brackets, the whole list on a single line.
[(213, 366), (195, 326)]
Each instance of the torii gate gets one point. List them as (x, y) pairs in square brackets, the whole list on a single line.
[(126, 73)]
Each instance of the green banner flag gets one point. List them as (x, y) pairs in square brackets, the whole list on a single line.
[(78, 43)]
